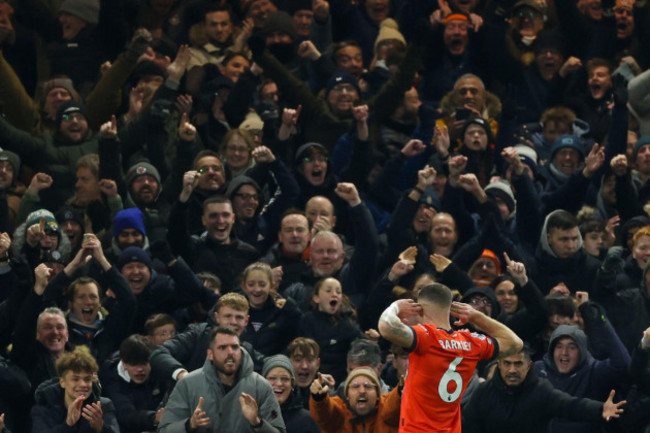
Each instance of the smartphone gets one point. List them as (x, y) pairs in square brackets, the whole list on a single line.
[(462, 114)]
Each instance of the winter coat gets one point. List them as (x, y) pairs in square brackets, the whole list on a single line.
[(50, 155), (49, 414), (578, 272), (201, 253), (106, 337), (530, 406), (296, 417), (590, 378), (221, 406), (277, 330), (333, 415), (135, 404), (334, 334)]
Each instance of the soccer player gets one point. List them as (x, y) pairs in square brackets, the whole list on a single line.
[(442, 360)]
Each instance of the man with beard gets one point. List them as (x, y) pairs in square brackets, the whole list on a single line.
[(225, 395), (280, 38), (55, 154), (144, 187), (363, 409), (516, 399)]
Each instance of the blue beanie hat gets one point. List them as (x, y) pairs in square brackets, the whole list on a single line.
[(128, 219), (572, 141), (341, 77), (133, 254), (641, 142)]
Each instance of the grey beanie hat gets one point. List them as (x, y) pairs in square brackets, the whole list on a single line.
[(278, 361), (139, 169), (86, 10), (12, 158)]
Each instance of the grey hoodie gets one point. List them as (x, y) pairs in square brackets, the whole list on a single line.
[(543, 237), (222, 407)]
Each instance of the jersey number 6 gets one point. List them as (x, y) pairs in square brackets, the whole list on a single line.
[(451, 375)]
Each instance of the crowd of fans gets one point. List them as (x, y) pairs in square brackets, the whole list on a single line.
[(228, 188)]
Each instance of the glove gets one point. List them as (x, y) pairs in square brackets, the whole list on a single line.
[(613, 261)]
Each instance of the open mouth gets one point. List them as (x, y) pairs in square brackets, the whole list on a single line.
[(87, 313), (220, 231), (455, 44), (55, 340), (302, 377)]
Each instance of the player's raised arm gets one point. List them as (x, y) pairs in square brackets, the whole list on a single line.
[(391, 325), (509, 342)]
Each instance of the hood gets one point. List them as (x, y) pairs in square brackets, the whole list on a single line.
[(489, 293), (18, 241), (577, 335), (237, 182), (543, 237)]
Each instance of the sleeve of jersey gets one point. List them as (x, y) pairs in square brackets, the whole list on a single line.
[(419, 333), (486, 347)]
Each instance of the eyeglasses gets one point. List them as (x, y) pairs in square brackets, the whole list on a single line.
[(318, 158), (479, 301), (528, 14), (281, 379), (245, 196), (215, 168), (344, 87), (74, 116), (366, 385)]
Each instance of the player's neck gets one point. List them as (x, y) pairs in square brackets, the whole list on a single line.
[(438, 319)]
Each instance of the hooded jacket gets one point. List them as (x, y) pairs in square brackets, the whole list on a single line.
[(221, 405), (49, 413), (590, 378), (578, 272)]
